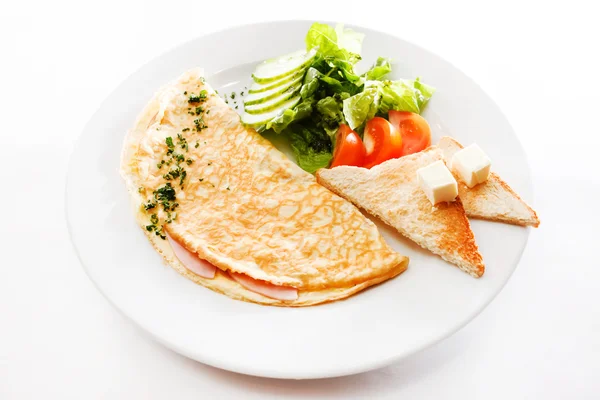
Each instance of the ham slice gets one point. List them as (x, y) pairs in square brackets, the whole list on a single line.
[(191, 261), (206, 270), (265, 288)]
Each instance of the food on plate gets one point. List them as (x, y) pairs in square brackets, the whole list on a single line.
[(493, 199), (229, 211), (391, 192), (349, 149), (414, 129), (472, 165), (437, 182), (382, 142), (309, 95)]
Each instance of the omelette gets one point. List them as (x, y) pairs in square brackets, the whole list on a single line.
[(229, 211)]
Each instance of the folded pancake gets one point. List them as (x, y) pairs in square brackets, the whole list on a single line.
[(202, 182)]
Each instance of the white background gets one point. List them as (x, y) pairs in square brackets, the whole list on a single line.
[(540, 338)]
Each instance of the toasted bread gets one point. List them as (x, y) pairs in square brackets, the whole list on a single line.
[(391, 192), (491, 200)]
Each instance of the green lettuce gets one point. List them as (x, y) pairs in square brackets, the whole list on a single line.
[(361, 107), (424, 93), (332, 84), (339, 43), (303, 110), (402, 95), (311, 146), (349, 40), (380, 69), (345, 70), (310, 83), (330, 113)]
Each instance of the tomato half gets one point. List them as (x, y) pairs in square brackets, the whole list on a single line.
[(415, 131), (349, 149), (382, 142)]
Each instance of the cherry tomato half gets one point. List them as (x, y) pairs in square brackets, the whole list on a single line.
[(382, 142), (349, 149), (415, 131)]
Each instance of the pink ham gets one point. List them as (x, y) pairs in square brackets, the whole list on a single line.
[(265, 288), (191, 261)]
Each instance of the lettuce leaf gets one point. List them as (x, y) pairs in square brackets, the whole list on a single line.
[(339, 43), (310, 83), (402, 95), (425, 92), (361, 107), (381, 68), (398, 95), (350, 40), (311, 146), (346, 71), (330, 113), (298, 113)]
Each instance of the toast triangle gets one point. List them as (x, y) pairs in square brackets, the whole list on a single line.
[(391, 192), (493, 199)]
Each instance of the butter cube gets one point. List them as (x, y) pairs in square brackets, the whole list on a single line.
[(437, 182), (472, 165)]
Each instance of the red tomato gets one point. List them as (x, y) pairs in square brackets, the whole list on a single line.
[(349, 149), (382, 142), (416, 134)]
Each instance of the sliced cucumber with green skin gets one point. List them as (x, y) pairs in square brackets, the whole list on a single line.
[(278, 68), (257, 120), (275, 102), (263, 97), (263, 87)]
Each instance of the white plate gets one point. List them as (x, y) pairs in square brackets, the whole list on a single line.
[(427, 303)]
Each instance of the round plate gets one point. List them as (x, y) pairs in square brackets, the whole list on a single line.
[(427, 303)]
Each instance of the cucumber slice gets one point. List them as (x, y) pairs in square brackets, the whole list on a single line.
[(278, 68), (262, 97), (275, 102), (263, 87), (257, 120)]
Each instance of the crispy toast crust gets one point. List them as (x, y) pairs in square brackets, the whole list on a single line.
[(391, 192), (492, 200)]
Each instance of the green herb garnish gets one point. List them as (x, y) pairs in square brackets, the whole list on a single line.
[(199, 123), (182, 142)]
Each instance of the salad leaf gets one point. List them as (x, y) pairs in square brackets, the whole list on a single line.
[(329, 113), (298, 113), (311, 146), (324, 37), (402, 95), (311, 83), (350, 40), (361, 107), (398, 95), (381, 68), (339, 43), (346, 71), (340, 86), (425, 92), (313, 76)]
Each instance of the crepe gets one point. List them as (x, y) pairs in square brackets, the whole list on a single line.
[(242, 205)]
